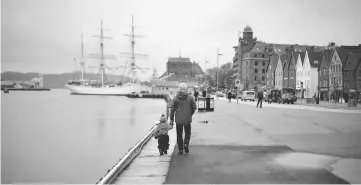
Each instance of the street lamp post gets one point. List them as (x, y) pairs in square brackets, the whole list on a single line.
[(218, 54), (205, 72)]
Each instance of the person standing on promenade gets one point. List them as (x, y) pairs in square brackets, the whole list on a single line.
[(260, 98), (229, 96), (195, 94), (204, 93), (182, 109)]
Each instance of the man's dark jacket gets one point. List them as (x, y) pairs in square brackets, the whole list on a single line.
[(182, 108), (196, 94), (260, 94)]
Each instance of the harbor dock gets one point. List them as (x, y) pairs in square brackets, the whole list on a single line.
[(240, 143)]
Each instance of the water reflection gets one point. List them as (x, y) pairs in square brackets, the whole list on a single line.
[(132, 115), (101, 124)]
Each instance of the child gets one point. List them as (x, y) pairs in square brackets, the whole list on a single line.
[(161, 133)]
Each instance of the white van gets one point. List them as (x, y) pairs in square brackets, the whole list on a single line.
[(248, 95)]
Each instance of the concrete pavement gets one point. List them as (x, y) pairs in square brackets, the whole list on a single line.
[(244, 144)]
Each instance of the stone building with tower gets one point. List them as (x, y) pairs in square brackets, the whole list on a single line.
[(252, 57), (182, 69)]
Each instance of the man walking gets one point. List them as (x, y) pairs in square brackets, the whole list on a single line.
[(260, 98), (182, 109), (196, 94), (229, 96)]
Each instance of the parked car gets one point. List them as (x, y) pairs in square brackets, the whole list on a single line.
[(219, 94), (291, 94), (248, 95), (287, 98), (274, 96)]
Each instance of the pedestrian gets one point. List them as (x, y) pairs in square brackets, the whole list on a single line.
[(182, 109), (204, 93), (195, 95), (260, 99), (229, 96), (161, 133)]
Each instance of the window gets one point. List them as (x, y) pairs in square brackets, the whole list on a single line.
[(320, 83), (255, 56), (263, 63), (255, 77), (308, 73), (263, 71), (255, 70), (263, 78), (262, 56), (256, 63)]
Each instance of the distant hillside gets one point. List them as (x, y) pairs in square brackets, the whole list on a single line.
[(55, 81)]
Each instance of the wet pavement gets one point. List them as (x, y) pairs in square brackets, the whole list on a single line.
[(239, 143), (243, 165)]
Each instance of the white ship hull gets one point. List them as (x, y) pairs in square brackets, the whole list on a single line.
[(108, 91)]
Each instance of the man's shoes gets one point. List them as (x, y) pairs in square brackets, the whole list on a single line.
[(165, 152), (180, 152), (186, 149), (160, 152)]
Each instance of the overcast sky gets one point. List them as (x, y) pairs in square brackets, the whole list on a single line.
[(44, 35)]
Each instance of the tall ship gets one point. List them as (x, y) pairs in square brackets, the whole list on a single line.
[(85, 86)]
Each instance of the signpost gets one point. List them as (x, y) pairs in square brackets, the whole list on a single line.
[(237, 84)]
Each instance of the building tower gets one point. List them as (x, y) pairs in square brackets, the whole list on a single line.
[(245, 45)]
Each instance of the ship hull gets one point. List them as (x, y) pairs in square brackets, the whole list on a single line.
[(107, 91)]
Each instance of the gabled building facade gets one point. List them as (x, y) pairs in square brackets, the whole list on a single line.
[(323, 75), (335, 77), (279, 75), (349, 75), (358, 81), (314, 63), (285, 58), (300, 76), (292, 70), (271, 68)]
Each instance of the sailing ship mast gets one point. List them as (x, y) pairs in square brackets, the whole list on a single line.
[(82, 58), (82, 62), (102, 56), (134, 67)]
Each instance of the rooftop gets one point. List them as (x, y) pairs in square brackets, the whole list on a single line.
[(352, 61), (315, 59), (179, 59)]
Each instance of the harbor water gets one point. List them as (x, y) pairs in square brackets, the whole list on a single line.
[(54, 137)]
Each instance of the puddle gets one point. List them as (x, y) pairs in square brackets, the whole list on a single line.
[(305, 160)]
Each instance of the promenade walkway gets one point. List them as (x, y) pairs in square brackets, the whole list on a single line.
[(244, 144), (322, 107)]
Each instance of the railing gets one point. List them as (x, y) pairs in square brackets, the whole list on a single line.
[(113, 173), (125, 161)]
